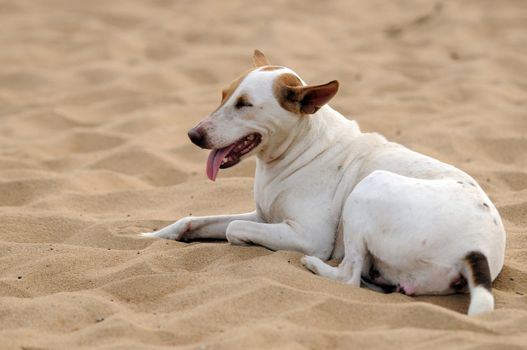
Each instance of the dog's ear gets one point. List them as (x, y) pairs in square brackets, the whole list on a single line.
[(259, 59), (299, 99), (312, 97)]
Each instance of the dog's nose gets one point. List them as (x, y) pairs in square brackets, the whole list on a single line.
[(197, 136)]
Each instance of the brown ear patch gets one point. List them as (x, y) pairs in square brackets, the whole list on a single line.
[(284, 94), (299, 99)]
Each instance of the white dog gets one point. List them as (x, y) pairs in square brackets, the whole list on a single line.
[(399, 220)]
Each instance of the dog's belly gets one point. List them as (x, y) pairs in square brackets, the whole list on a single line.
[(422, 278), (418, 231)]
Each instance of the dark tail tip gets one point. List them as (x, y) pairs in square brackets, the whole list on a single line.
[(479, 265)]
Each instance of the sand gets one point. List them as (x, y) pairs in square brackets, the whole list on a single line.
[(95, 101)]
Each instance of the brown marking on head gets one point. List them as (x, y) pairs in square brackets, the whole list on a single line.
[(270, 68), (259, 59), (227, 93), (300, 99), (479, 268)]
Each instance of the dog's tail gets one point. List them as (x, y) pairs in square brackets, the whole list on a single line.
[(477, 273)]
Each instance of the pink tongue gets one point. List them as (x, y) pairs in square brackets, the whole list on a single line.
[(214, 161)]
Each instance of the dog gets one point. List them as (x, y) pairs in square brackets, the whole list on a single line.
[(398, 220)]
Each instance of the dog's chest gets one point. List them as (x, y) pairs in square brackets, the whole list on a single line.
[(300, 199)]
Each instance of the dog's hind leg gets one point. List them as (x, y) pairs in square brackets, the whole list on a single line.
[(356, 256), (349, 270), (342, 273), (319, 267)]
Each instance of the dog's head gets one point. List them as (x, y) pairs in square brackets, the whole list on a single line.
[(259, 110)]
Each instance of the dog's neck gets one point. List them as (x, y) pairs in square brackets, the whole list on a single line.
[(312, 135)]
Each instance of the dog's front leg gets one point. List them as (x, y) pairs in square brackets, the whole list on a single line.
[(282, 236), (201, 227)]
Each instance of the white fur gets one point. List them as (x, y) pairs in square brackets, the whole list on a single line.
[(481, 301), (324, 188)]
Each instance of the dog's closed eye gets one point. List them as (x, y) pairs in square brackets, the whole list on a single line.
[(241, 102)]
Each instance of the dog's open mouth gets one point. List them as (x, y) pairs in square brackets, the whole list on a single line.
[(231, 155)]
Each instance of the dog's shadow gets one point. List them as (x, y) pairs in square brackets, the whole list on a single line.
[(455, 302)]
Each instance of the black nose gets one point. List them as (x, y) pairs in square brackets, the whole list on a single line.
[(197, 136)]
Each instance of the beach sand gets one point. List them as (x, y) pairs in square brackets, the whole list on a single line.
[(96, 98)]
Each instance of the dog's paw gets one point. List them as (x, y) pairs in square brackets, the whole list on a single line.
[(166, 234), (310, 263), (152, 234), (236, 239), (181, 230)]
